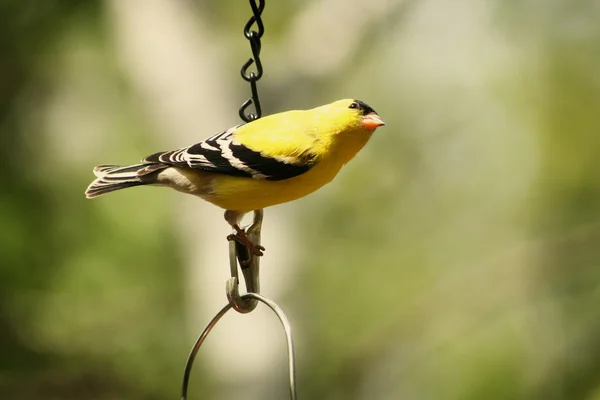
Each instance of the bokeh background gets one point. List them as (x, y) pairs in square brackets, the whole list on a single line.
[(458, 257)]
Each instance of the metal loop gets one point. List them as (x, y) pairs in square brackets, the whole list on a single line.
[(257, 11), (288, 336), (247, 117), (255, 46), (250, 266), (248, 77), (253, 100)]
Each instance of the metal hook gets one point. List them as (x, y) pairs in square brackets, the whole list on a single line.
[(250, 297), (250, 266), (256, 11), (250, 116), (255, 47)]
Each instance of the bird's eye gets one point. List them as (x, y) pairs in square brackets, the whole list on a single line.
[(353, 105)]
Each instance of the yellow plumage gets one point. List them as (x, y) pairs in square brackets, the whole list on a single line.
[(329, 131), (272, 160)]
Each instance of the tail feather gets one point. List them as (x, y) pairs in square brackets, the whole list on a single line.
[(115, 177)]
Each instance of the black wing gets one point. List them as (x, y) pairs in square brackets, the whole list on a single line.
[(222, 154)]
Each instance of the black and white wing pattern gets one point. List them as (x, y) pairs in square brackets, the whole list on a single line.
[(222, 154)]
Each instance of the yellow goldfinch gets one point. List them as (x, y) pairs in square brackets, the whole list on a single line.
[(269, 161)]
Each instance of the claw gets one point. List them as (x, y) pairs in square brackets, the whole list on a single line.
[(243, 239)]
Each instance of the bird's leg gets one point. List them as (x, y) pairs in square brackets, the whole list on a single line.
[(242, 238)]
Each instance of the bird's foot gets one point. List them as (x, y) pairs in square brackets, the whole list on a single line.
[(243, 239)]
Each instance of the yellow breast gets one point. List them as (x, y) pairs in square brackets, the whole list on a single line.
[(247, 194)]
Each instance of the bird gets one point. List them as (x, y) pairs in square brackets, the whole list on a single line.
[(271, 160)]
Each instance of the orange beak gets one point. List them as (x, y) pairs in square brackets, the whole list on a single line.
[(371, 121)]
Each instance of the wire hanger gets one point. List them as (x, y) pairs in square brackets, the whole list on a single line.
[(288, 337), (238, 253)]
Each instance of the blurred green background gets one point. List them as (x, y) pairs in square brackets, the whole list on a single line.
[(458, 257)]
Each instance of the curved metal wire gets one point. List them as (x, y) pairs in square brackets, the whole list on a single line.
[(288, 335)]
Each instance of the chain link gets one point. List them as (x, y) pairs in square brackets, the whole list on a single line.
[(252, 77)]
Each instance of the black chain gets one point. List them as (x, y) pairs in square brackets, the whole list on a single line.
[(254, 37)]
